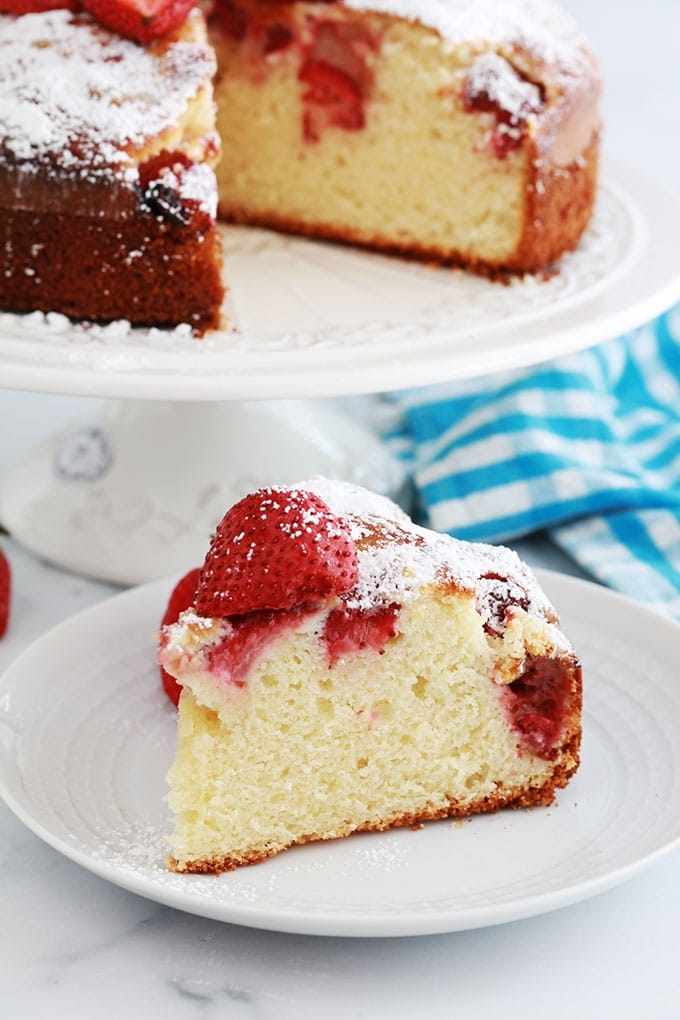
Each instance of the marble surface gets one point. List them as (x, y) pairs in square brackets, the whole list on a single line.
[(73, 946)]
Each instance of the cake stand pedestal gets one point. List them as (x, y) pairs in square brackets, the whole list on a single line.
[(136, 495)]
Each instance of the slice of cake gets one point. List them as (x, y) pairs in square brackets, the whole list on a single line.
[(108, 198), (344, 669), (465, 131), (458, 130)]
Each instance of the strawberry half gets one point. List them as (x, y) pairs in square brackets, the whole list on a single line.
[(140, 20), (181, 598), (276, 549), (5, 592)]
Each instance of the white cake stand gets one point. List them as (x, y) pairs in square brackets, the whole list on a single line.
[(195, 423)]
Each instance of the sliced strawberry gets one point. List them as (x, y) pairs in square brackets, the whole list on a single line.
[(181, 598), (5, 592), (276, 549), (140, 20), (352, 630), (35, 6), (331, 99)]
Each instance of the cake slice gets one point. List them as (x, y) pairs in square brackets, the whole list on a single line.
[(344, 669), (465, 131), (108, 198)]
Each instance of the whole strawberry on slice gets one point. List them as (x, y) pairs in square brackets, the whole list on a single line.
[(140, 20), (181, 598), (5, 592), (276, 549)]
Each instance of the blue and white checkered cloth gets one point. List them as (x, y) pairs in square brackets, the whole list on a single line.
[(586, 448)]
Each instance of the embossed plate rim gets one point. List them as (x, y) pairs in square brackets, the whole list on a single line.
[(293, 892), (642, 280)]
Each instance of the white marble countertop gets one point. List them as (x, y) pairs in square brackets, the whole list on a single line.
[(71, 945)]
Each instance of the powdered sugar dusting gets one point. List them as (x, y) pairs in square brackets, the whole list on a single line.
[(539, 26), (492, 77), (396, 557), (195, 183), (74, 92)]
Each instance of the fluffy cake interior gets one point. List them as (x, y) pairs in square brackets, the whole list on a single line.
[(420, 174), (302, 751), (386, 180)]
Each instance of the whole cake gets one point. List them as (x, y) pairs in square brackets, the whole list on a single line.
[(108, 199), (464, 131), (343, 669)]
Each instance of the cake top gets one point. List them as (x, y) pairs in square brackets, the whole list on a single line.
[(287, 545), (397, 557), (75, 93), (538, 26)]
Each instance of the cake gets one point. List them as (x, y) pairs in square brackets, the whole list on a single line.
[(343, 669), (107, 191), (457, 131), (450, 130)]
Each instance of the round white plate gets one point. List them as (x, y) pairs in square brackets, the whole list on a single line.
[(86, 737), (315, 319)]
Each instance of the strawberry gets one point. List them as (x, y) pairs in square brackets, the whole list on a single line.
[(276, 549), (160, 180), (332, 99), (5, 592), (140, 20), (34, 6), (181, 598)]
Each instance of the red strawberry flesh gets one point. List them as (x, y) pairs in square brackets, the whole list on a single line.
[(353, 630), (5, 592), (140, 20), (35, 6), (181, 598), (276, 549)]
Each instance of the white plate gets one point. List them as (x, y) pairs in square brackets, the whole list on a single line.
[(86, 737), (314, 319)]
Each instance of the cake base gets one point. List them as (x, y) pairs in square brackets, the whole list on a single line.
[(425, 730)]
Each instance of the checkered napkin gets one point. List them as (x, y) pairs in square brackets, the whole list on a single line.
[(586, 448)]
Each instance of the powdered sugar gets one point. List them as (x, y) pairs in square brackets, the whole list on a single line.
[(491, 76), (396, 557), (195, 183), (72, 91), (539, 26)]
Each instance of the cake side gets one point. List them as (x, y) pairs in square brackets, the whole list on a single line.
[(375, 129), (106, 172), (438, 684)]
